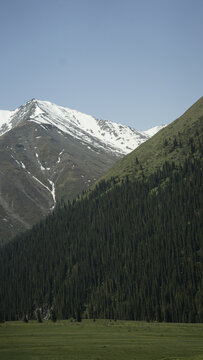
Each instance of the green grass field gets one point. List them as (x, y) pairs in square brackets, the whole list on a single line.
[(102, 339)]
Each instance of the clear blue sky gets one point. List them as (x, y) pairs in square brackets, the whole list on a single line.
[(135, 62)]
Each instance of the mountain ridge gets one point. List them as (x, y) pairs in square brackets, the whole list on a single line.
[(78, 124), (50, 153), (131, 248), (172, 143)]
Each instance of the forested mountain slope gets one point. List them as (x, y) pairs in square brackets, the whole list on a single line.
[(129, 249)]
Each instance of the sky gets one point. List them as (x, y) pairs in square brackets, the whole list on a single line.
[(139, 63)]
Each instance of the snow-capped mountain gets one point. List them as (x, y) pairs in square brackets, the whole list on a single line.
[(102, 134), (50, 153)]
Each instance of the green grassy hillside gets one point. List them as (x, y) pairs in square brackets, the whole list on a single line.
[(173, 143)]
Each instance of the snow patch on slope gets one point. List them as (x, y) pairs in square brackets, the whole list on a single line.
[(52, 190), (41, 166), (153, 130), (5, 116), (5, 121), (59, 156)]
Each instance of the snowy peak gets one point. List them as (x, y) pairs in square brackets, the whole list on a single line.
[(101, 134), (50, 153)]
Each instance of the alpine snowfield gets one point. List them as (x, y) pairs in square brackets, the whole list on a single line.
[(101, 134)]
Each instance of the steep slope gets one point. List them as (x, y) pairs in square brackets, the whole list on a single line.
[(38, 167), (5, 121), (49, 153), (130, 249), (173, 143)]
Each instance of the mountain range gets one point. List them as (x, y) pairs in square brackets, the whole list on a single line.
[(128, 248), (49, 153)]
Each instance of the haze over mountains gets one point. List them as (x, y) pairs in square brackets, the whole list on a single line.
[(50, 153)]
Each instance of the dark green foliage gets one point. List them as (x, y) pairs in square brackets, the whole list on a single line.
[(39, 317), (175, 143), (165, 142), (128, 250), (53, 315), (78, 316), (2, 316)]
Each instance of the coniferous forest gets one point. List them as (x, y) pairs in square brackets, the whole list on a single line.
[(129, 249)]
